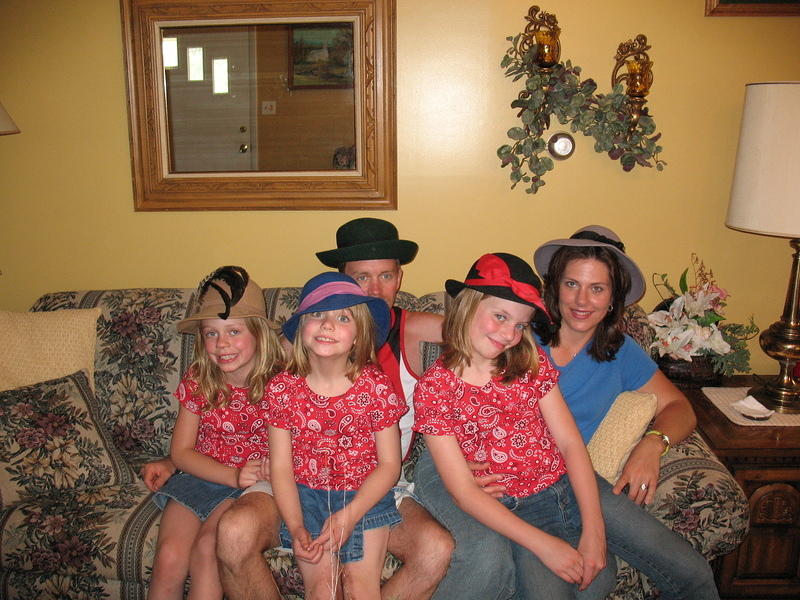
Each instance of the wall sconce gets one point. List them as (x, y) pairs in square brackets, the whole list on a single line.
[(555, 90), (638, 74)]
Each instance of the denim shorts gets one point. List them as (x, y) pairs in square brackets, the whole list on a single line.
[(198, 495), (318, 505)]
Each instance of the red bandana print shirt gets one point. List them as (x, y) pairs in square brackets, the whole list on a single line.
[(333, 443), (232, 434), (495, 423)]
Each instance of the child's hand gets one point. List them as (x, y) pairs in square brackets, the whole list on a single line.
[(156, 473), (336, 530), (593, 549), (249, 473), (488, 483), (561, 558), (304, 547)]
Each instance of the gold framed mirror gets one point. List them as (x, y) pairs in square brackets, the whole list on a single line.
[(247, 104)]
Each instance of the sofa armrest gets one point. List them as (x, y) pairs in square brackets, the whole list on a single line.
[(698, 498)]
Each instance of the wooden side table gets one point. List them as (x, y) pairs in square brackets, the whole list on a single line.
[(766, 463)]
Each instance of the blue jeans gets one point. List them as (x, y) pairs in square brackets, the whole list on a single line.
[(632, 534), (318, 505)]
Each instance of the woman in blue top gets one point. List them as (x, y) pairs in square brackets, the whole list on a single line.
[(588, 282)]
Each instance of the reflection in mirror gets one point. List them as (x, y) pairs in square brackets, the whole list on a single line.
[(266, 97), (254, 104)]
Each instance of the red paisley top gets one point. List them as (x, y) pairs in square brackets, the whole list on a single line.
[(495, 423), (333, 443)]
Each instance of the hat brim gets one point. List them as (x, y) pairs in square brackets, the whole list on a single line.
[(401, 250), (544, 254), (453, 287), (377, 307), (191, 324)]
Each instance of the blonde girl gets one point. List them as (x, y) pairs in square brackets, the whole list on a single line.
[(218, 444), (493, 398), (334, 439)]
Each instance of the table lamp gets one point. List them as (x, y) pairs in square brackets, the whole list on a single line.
[(765, 199), (7, 125)]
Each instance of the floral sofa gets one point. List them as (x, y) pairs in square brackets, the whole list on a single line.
[(78, 522)]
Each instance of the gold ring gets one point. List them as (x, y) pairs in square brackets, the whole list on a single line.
[(643, 486)]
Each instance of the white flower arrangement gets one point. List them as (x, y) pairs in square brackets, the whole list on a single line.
[(690, 323)]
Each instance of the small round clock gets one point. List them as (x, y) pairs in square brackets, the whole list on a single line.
[(561, 145)]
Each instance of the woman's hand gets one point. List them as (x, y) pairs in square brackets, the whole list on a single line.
[(488, 483), (641, 469), (156, 473)]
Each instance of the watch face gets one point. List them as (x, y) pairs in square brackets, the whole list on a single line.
[(561, 145)]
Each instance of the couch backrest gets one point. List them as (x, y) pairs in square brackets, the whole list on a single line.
[(139, 356)]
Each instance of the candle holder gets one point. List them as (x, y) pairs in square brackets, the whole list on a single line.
[(542, 33), (637, 76)]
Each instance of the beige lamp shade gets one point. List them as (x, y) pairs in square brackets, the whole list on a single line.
[(7, 125), (765, 196)]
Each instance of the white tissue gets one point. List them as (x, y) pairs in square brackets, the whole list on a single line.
[(752, 408)]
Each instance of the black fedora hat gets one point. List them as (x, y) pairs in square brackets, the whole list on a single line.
[(368, 239)]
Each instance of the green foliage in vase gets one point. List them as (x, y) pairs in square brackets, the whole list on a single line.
[(561, 93)]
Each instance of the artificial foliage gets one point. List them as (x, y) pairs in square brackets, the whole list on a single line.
[(559, 92), (690, 322)]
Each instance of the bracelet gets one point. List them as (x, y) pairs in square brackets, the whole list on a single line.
[(664, 438)]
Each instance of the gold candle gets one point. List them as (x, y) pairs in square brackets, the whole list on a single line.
[(639, 77), (546, 47)]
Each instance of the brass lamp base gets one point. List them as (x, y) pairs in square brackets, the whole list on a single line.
[(782, 342)]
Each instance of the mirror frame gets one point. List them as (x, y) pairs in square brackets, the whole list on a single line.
[(372, 185)]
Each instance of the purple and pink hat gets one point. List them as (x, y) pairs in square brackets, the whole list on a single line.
[(334, 291)]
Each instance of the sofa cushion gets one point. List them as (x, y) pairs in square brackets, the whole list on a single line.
[(81, 544), (50, 440), (139, 360), (40, 346), (620, 430)]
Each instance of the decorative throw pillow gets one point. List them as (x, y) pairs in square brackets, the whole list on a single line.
[(50, 440), (621, 429), (42, 345)]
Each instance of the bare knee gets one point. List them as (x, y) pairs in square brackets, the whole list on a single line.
[(432, 552), (421, 543), (204, 548), (172, 557), (247, 529)]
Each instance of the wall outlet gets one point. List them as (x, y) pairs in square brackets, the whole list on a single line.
[(268, 107)]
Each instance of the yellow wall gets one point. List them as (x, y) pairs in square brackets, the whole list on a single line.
[(68, 222)]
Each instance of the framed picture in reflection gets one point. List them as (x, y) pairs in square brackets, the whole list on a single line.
[(321, 56)]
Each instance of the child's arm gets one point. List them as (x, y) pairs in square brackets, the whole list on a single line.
[(561, 423), (286, 496), (187, 459), (556, 554), (339, 525)]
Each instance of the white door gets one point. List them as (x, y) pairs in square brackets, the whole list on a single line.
[(211, 117)]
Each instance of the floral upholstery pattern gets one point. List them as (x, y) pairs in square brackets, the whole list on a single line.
[(97, 539)]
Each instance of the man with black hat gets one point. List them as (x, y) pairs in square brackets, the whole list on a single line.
[(370, 251)]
